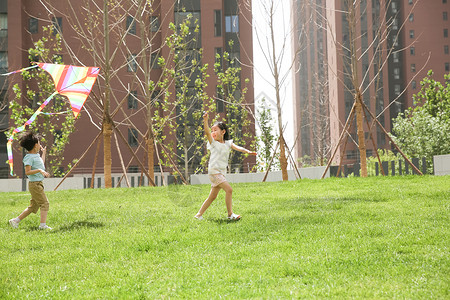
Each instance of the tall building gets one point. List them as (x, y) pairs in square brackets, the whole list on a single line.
[(137, 51), (383, 47)]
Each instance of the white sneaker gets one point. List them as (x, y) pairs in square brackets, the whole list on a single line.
[(13, 223), (45, 227), (234, 217), (199, 218)]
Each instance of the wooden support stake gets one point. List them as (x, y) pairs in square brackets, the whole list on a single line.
[(76, 164), (95, 164), (350, 116), (390, 139), (150, 180), (121, 160)]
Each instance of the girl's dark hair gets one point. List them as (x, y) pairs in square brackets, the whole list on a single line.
[(223, 126), (28, 140)]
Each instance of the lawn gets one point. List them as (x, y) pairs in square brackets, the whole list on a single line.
[(378, 237)]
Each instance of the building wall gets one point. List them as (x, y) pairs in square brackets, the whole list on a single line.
[(387, 71), (20, 39)]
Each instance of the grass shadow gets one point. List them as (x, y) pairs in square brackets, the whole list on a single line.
[(79, 225), (222, 221)]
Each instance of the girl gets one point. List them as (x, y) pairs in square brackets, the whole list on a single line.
[(220, 145)]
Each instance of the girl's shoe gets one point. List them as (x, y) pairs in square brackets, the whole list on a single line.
[(45, 227), (199, 218), (234, 217)]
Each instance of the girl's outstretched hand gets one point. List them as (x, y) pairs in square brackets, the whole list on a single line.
[(252, 153), (205, 115)]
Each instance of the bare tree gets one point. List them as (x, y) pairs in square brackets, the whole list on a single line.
[(275, 57), (352, 51)]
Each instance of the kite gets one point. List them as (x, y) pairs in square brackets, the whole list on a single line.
[(71, 81)]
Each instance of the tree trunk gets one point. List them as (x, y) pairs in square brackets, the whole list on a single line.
[(150, 145), (360, 131), (107, 132), (283, 160), (107, 121)]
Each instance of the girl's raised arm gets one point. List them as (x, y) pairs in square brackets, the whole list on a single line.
[(206, 126)]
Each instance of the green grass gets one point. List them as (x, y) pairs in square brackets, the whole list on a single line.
[(379, 237)]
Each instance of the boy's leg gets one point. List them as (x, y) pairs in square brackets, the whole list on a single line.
[(25, 214), (212, 196), (228, 196), (44, 214)]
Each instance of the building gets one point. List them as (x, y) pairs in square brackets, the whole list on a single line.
[(136, 52), (394, 44)]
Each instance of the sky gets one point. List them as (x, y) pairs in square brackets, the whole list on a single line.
[(263, 78)]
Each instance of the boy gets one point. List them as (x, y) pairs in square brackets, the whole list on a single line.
[(35, 170)]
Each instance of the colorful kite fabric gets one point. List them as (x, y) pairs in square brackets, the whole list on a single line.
[(74, 82), (71, 81)]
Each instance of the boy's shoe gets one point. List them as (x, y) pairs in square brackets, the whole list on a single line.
[(199, 218), (45, 227), (13, 223), (234, 217)]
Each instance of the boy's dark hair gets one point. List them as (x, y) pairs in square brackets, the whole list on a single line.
[(223, 126), (28, 140)]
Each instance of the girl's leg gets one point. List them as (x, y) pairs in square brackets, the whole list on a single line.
[(212, 196), (228, 196)]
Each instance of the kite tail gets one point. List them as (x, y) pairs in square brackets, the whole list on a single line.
[(22, 128), (19, 71)]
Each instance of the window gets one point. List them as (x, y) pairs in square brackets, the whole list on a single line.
[(217, 23), (444, 16), (220, 105), (411, 34), (131, 25), (132, 63), (3, 60), (154, 60), (397, 89), (132, 100), (57, 25), (33, 25), (413, 68), (396, 73), (218, 61), (394, 7), (447, 67), (394, 25), (446, 49), (57, 58), (232, 23), (154, 23), (445, 32), (132, 137), (411, 17), (413, 84), (396, 57), (412, 51), (3, 25)]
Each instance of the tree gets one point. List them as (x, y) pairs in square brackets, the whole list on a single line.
[(422, 131), (267, 138), (274, 54), (54, 127)]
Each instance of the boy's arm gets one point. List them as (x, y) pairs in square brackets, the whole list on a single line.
[(44, 152), (206, 126), (28, 171), (242, 149)]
